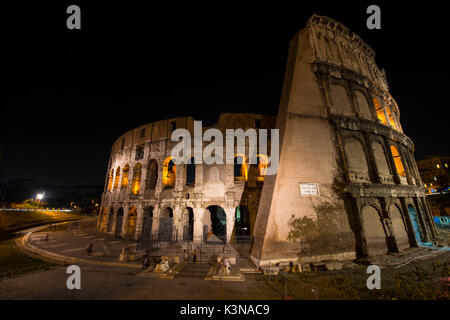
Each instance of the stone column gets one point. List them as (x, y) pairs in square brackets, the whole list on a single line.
[(230, 211), (155, 222), (177, 222), (124, 221), (139, 218), (198, 225)]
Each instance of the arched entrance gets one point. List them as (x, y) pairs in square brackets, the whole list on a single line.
[(188, 224), (165, 225), (373, 231), (131, 221), (147, 221), (401, 236), (242, 224), (119, 220), (110, 219), (415, 224), (217, 225)]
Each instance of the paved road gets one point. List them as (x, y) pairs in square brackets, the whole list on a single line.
[(100, 282), (109, 282)]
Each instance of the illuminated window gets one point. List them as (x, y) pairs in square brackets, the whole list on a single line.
[(125, 173), (391, 118), (110, 180), (117, 178), (398, 162), (240, 168), (446, 165), (435, 179), (169, 173), (263, 162), (136, 182), (438, 166), (380, 111)]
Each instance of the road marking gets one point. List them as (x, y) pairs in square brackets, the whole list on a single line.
[(57, 245), (72, 250)]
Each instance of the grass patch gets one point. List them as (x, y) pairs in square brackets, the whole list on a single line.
[(12, 260), (12, 219)]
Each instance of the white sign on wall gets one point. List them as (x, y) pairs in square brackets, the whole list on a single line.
[(309, 189)]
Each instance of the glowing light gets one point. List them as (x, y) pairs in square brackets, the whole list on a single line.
[(40, 196)]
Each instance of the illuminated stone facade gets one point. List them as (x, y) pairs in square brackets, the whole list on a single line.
[(340, 131), (340, 138), (145, 192)]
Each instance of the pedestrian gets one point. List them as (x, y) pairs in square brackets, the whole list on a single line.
[(46, 237), (195, 256), (146, 263), (89, 249), (185, 255)]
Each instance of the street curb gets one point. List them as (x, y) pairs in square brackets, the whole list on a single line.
[(24, 244)]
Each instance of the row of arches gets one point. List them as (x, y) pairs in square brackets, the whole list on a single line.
[(163, 228), (386, 109), (169, 173), (357, 160), (378, 235)]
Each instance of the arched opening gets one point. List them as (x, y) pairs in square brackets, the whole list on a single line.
[(110, 219), (119, 220), (398, 162), (364, 109), (165, 224), (391, 118), (125, 174), (356, 160), (190, 172), (136, 182), (152, 175), (117, 178), (262, 164), (415, 224), (169, 173), (373, 231), (188, 224), (340, 100), (216, 225), (131, 221), (147, 221), (240, 168), (401, 236), (242, 223), (382, 164), (110, 180), (380, 111)]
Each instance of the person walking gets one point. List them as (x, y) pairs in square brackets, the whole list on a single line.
[(89, 249), (195, 256)]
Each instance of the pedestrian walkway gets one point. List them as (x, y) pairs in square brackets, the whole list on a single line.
[(71, 244)]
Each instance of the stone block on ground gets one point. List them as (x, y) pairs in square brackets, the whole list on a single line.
[(333, 265), (306, 267), (272, 270)]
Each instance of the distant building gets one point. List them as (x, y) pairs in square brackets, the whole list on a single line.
[(435, 173)]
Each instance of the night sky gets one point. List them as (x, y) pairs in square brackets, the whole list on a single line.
[(70, 93)]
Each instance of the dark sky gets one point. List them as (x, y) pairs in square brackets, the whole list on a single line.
[(69, 94)]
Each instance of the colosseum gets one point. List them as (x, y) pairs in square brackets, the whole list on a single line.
[(347, 184)]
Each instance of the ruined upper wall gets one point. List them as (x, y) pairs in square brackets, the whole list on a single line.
[(162, 129), (335, 44)]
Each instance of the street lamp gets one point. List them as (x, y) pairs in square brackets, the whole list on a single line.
[(39, 197)]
